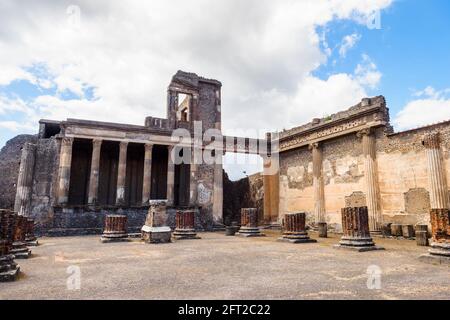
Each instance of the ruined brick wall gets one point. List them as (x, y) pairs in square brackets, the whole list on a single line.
[(343, 172), (9, 168), (402, 169), (44, 181), (244, 193), (402, 173)]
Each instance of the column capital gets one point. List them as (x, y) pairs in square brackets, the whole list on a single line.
[(364, 132), (97, 143), (315, 145), (67, 141), (123, 144), (148, 146), (432, 140)]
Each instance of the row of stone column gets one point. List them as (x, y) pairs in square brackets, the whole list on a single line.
[(65, 166), (370, 177)]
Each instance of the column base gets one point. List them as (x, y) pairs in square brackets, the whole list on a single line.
[(185, 234), (296, 237), (114, 237), (439, 253), (250, 232), (9, 270), (155, 235), (357, 244), (358, 249), (376, 233), (20, 250), (32, 243)]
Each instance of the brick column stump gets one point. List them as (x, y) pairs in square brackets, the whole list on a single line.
[(355, 225), (185, 225), (30, 238), (439, 252), (19, 247), (294, 229), (115, 229), (9, 270), (156, 229), (422, 235), (249, 223)]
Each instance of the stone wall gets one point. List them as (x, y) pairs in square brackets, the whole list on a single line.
[(402, 174), (244, 193), (9, 168)]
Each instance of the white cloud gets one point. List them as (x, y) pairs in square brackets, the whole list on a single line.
[(263, 51), (433, 107), (348, 42)]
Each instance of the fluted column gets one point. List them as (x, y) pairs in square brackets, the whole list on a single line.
[(95, 169), (318, 183), (170, 176), (25, 180), (193, 179), (121, 174), (65, 162), (436, 173), (146, 187), (218, 193), (371, 180)]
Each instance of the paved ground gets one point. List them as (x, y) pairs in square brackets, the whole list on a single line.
[(219, 267)]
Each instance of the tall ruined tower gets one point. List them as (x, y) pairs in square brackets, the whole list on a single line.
[(193, 98)]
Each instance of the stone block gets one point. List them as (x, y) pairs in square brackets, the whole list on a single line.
[(408, 231)]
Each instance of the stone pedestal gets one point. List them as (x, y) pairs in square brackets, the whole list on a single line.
[(295, 229), (9, 270), (19, 247), (30, 238), (355, 225), (155, 229), (185, 225), (115, 229), (386, 230), (408, 231), (422, 235), (396, 230), (440, 244), (249, 223), (323, 229)]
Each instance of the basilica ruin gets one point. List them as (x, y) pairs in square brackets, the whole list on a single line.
[(73, 173)]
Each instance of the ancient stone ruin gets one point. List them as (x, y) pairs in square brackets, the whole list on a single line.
[(355, 224), (294, 228), (74, 173)]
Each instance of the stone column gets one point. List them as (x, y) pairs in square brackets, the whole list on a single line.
[(65, 162), (218, 193), (319, 192), (193, 181), (371, 180), (436, 173), (122, 172), (249, 223), (294, 227), (25, 180), (115, 228), (267, 191), (170, 176), (146, 187), (439, 213), (95, 168), (271, 191), (355, 226), (185, 225)]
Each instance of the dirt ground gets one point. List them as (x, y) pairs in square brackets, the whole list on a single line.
[(220, 267)]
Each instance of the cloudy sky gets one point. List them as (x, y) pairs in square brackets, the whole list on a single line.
[(281, 62)]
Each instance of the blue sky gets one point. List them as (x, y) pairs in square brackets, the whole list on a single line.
[(412, 49), (281, 62)]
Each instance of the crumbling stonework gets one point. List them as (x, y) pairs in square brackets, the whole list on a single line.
[(399, 180), (10, 156)]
